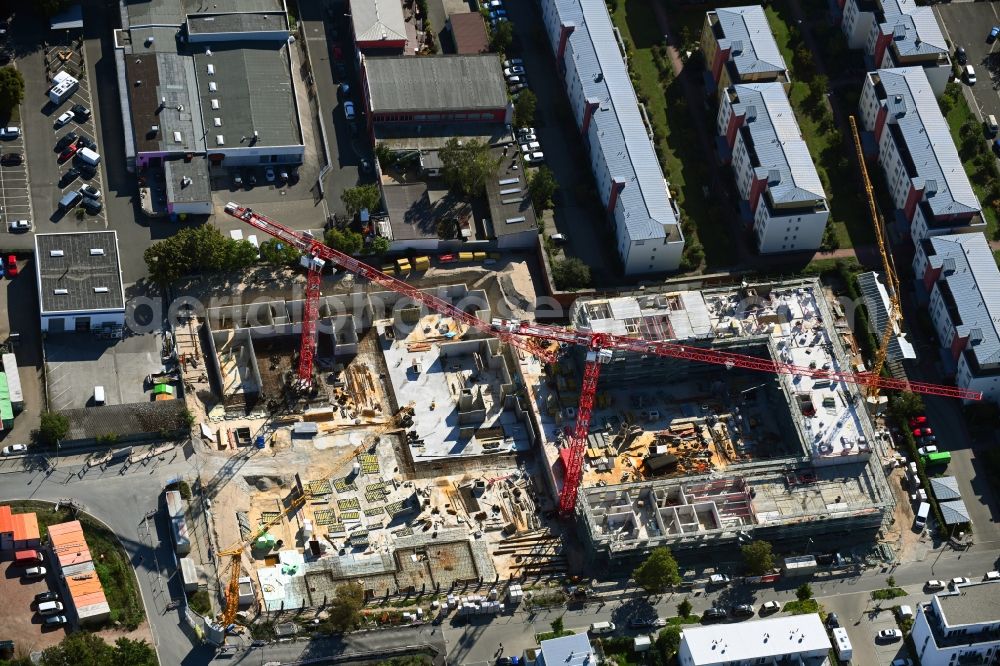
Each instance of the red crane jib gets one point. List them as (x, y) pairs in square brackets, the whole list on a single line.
[(526, 336)]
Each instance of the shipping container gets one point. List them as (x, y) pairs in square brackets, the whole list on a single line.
[(479, 256), (465, 256)]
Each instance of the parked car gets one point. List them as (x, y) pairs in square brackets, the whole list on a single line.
[(19, 225), (11, 272), (959, 580), (559, 239), (526, 138), (517, 87), (66, 140), (349, 110), (713, 613), (344, 89), (92, 206), (770, 607), (970, 75), (935, 584), (994, 32), (530, 147), (86, 170), (498, 13), (992, 575), (90, 191), (269, 174), (646, 622), (11, 132), (535, 158), (512, 62), (80, 112), (85, 142), (924, 450), (960, 56), (340, 70), (514, 71), (918, 421), (366, 166), (14, 449), (12, 159), (889, 635), (922, 432), (48, 595), (832, 621), (69, 176), (514, 80), (494, 4), (742, 610), (64, 118), (55, 621), (68, 152), (35, 572)]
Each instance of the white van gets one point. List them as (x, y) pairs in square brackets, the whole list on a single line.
[(970, 75), (49, 607), (602, 628), (98, 395), (991, 124), (88, 156), (923, 511)]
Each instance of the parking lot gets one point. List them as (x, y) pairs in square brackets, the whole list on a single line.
[(967, 24), (15, 198), (18, 618)]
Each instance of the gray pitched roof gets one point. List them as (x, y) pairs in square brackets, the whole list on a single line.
[(915, 30), (945, 488), (376, 20), (778, 143), (877, 303), (955, 512), (974, 281), (79, 271), (747, 29), (929, 141), (443, 82), (595, 65)]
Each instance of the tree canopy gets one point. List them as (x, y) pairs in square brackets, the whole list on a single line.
[(196, 249), (502, 37), (85, 649), (52, 428), (658, 572), (466, 166), (758, 558), (524, 108), (11, 88), (570, 273), (278, 253), (906, 405), (345, 240), (542, 187), (360, 197), (345, 611)]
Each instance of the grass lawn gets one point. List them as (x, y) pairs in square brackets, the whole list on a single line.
[(888, 593), (110, 561), (671, 122), (958, 114), (802, 607)]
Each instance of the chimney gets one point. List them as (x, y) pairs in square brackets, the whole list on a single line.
[(751, 113), (737, 46), (773, 176), (930, 187), (465, 400)]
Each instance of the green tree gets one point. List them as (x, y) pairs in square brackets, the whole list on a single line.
[(817, 89), (542, 187), (52, 428), (758, 558), (79, 649), (379, 245), (684, 608), (466, 166), (502, 37), (345, 611), (206, 247), (658, 572), (165, 261), (524, 108), (11, 88), (363, 196), (347, 241), (906, 405), (570, 273), (385, 155), (278, 253), (668, 642), (238, 255), (128, 652), (557, 625), (804, 592)]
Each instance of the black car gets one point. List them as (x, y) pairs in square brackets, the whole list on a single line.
[(69, 176), (714, 613), (646, 623), (960, 56), (66, 140), (340, 70), (85, 142), (80, 113), (86, 170), (92, 206), (832, 621), (42, 597), (12, 159), (742, 610)]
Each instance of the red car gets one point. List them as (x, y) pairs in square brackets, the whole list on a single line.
[(338, 54), (922, 432), (69, 152), (11, 265), (918, 421), (447, 258)]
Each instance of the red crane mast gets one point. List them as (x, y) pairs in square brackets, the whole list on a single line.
[(523, 336)]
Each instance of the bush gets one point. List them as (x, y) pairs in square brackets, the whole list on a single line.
[(200, 603), (570, 274)]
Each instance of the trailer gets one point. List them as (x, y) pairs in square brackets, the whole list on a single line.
[(15, 393)]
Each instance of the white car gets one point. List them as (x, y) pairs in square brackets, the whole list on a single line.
[(349, 110), (513, 71), (935, 585), (495, 4), (35, 572), (525, 138), (960, 580), (530, 147), (19, 225), (512, 62), (64, 118), (90, 192), (769, 607), (992, 575), (14, 449), (924, 450), (889, 635), (535, 158), (514, 80), (11, 132), (269, 174)]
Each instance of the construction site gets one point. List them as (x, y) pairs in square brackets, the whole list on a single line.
[(686, 454)]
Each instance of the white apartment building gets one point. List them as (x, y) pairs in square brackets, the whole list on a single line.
[(926, 177), (774, 172), (630, 182), (898, 33), (963, 281), (960, 627), (796, 639), (740, 47)]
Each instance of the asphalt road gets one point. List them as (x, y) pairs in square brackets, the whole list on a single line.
[(370, 644), (967, 24)]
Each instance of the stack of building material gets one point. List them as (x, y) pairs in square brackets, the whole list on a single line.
[(15, 394), (72, 555), (178, 524)]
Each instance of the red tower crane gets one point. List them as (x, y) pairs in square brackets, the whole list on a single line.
[(529, 338)]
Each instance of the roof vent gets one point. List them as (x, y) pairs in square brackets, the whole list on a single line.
[(185, 181), (930, 187), (55, 253), (153, 129), (737, 47), (215, 104), (217, 122), (598, 77), (100, 290), (751, 113), (177, 137), (208, 51), (97, 251), (220, 140), (60, 292), (179, 107), (212, 87), (211, 70), (773, 176)]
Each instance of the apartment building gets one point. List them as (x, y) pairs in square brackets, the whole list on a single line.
[(740, 48), (630, 183), (775, 175), (959, 627), (796, 639), (925, 175), (898, 33), (963, 283)]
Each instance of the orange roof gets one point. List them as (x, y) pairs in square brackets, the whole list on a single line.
[(68, 543), (25, 526), (6, 523), (85, 588)]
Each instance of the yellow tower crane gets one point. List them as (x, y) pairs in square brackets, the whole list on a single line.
[(895, 315)]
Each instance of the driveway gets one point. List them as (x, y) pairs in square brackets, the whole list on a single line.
[(967, 24), (19, 308)]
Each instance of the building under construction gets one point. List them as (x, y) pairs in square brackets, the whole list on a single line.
[(686, 454)]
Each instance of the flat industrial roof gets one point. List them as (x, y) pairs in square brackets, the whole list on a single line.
[(975, 603), (435, 83), (253, 92), (759, 639), (468, 30), (163, 94), (197, 188), (242, 22), (79, 271)]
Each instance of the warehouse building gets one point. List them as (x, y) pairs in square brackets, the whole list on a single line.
[(928, 183), (630, 182), (962, 281), (740, 47), (775, 175), (80, 282)]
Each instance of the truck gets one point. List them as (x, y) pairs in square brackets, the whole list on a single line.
[(88, 156), (842, 645), (937, 458), (63, 87)]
